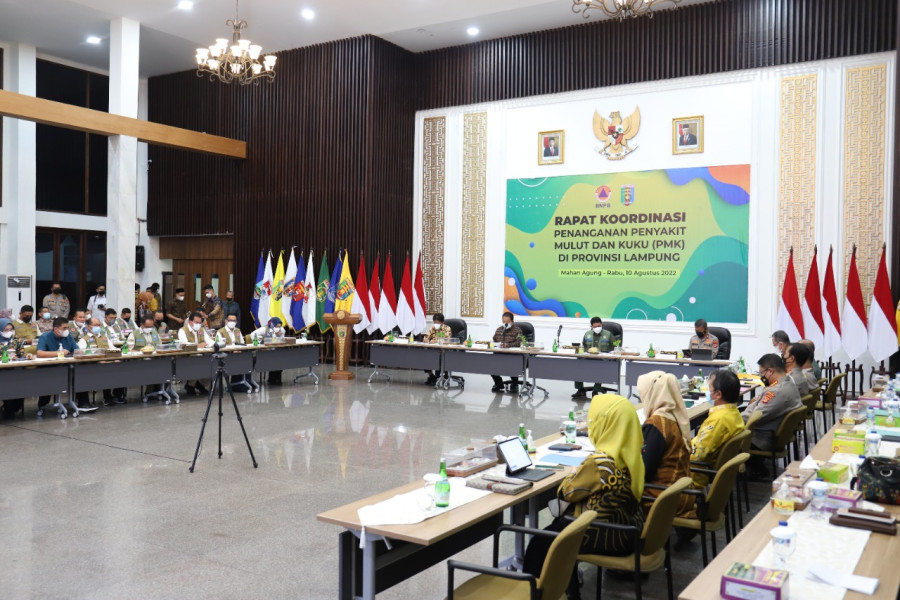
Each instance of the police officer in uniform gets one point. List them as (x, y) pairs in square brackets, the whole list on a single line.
[(602, 340), (45, 320), (798, 355), (779, 398), (57, 302), (703, 339)]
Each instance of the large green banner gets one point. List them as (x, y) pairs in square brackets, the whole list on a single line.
[(661, 245)]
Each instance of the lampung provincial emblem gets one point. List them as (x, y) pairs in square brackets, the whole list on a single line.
[(615, 133)]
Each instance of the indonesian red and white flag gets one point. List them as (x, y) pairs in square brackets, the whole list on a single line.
[(813, 323), (832, 314), (374, 297), (360, 304), (387, 307), (853, 323), (790, 317), (882, 318), (419, 298), (406, 318)]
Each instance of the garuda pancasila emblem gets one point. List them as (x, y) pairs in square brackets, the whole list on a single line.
[(615, 133)]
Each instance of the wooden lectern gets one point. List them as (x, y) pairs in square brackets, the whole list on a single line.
[(341, 321)]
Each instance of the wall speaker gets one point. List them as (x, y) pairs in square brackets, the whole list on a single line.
[(139, 258)]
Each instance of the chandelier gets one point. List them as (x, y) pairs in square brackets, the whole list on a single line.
[(618, 9), (239, 61)]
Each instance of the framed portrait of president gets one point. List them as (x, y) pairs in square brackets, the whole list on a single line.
[(551, 147), (687, 135)]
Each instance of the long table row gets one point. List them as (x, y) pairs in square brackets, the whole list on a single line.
[(53, 377), (529, 364)]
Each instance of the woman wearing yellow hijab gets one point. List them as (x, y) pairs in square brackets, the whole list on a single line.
[(610, 481), (667, 435)]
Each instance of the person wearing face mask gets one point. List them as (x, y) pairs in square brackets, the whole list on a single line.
[(176, 311), (145, 335), (431, 337), (273, 330), (78, 325), (25, 326), (111, 328), (159, 321), (779, 398), (125, 322), (795, 358), (722, 424), (57, 302), (507, 335), (15, 349), (53, 342), (231, 333), (212, 306), (602, 340), (703, 339), (96, 306), (193, 333), (44, 321), (94, 336), (230, 307)]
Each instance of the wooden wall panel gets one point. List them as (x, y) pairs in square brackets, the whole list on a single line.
[(692, 40), (329, 157)]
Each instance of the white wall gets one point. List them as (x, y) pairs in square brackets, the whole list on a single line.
[(741, 112)]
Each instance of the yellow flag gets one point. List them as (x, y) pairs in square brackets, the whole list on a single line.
[(277, 291), (345, 289)]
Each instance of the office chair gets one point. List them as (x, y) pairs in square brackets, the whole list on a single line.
[(724, 336)]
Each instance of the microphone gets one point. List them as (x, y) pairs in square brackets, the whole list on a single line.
[(558, 331)]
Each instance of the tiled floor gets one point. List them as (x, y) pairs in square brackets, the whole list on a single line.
[(103, 506)]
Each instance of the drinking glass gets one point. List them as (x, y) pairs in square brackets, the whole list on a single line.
[(430, 479)]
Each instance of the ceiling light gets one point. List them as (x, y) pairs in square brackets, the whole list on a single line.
[(618, 9), (472, 31), (93, 39), (185, 5), (239, 61), (308, 14)]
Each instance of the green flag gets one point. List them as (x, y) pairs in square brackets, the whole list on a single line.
[(322, 294)]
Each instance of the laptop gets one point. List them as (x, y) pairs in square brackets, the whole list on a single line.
[(518, 461), (701, 354)]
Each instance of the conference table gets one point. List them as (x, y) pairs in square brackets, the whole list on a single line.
[(377, 557), (84, 373), (875, 561), (530, 363)]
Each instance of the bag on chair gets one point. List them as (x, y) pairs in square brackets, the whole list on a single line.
[(879, 480)]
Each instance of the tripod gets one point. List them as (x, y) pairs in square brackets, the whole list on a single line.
[(221, 383)]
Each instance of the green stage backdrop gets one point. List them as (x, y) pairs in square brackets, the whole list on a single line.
[(662, 245)]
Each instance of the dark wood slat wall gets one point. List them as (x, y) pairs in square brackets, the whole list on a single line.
[(331, 141), (693, 40), (329, 165)]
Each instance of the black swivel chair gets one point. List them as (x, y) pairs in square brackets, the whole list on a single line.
[(615, 329), (459, 330), (724, 336)]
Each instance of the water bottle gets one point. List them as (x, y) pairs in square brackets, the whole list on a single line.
[(889, 420), (651, 352), (442, 487), (530, 442), (469, 342), (870, 418), (819, 491), (873, 443), (5, 357), (555, 346), (255, 340), (784, 542), (522, 436)]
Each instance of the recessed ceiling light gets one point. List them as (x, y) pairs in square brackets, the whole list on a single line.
[(473, 31), (186, 5), (308, 14), (93, 39)]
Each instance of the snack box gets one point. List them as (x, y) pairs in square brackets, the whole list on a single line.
[(834, 472), (848, 445), (867, 401), (747, 582), (838, 498)]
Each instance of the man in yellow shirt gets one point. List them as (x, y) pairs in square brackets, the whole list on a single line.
[(723, 423)]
